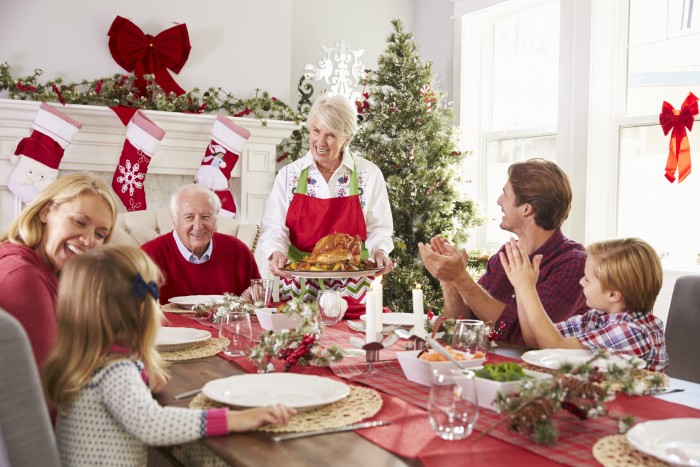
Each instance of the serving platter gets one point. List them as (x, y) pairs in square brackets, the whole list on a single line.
[(303, 392), (334, 274)]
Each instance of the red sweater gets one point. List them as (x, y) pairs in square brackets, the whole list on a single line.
[(230, 269), (29, 292)]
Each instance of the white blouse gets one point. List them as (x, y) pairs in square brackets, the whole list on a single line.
[(374, 200)]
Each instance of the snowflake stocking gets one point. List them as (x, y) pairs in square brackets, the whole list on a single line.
[(225, 147), (142, 139), (38, 156)]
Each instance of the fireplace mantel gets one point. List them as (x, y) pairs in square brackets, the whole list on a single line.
[(99, 143)]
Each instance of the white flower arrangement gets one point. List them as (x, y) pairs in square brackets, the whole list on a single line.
[(232, 302)]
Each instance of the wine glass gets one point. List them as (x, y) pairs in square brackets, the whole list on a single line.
[(261, 292), (469, 336), (331, 306), (235, 333), (452, 405)]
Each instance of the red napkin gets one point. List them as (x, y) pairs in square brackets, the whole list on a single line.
[(357, 309)]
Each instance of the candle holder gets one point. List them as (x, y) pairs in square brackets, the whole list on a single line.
[(372, 354)]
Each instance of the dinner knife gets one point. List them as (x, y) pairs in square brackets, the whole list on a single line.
[(356, 426)]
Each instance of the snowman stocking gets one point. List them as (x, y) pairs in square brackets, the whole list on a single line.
[(225, 147), (142, 139), (38, 156)]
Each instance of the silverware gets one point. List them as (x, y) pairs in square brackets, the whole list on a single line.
[(664, 391), (182, 395), (443, 351), (356, 426)]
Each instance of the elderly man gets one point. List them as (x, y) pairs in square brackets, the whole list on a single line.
[(195, 259), (535, 202)]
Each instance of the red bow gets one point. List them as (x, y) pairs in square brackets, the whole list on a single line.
[(679, 148), (144, 54)]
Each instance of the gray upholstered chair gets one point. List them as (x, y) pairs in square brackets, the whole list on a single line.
[(25, 426), (683, 329), (138, 227)]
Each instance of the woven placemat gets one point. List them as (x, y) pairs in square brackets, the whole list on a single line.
[(173, 308), (616, 451), (203, 349), (362, 403), (638, 374)]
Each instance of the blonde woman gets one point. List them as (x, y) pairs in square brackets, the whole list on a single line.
[(97, 375), (72, 215)]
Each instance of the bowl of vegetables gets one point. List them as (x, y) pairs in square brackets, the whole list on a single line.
[(505, 378)]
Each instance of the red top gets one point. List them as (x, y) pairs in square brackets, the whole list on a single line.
[(29, 292), (230, 269)]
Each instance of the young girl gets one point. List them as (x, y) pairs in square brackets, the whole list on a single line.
[(108, 317), (621, 281)]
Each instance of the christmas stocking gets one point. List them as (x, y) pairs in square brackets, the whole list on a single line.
[(38, 156), (142, 139), (225, 147)]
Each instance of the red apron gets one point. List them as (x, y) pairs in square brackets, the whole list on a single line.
[(309, 219)]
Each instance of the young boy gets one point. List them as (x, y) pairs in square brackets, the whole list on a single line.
[(621, 281)]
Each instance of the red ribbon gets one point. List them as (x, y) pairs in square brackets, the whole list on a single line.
[(144, 54), (679, 148)]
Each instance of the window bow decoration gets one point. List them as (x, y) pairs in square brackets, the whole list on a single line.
[(145, 54), (679, 148)]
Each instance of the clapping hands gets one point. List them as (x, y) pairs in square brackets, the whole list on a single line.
[(516, 263)]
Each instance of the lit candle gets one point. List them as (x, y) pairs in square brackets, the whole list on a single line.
[(418, 314), (370, 317)]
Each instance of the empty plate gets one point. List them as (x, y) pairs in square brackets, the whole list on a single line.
[(169, 338)]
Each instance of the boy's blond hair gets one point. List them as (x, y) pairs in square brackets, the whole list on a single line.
[(630, 266), (97, 309)]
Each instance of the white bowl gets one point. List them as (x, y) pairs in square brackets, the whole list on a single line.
[(421, 371), (486, 389), (271, 320)]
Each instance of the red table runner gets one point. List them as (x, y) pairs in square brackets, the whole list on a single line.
[(411, 436)]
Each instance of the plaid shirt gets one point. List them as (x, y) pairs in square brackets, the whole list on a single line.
[(631, 333), (558, 285)]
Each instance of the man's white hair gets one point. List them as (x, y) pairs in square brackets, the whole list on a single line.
[(193, 188)]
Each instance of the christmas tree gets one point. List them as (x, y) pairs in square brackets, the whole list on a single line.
[(407, 131)]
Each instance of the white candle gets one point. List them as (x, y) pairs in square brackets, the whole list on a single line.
[(370, 317), (418, 314), (379, 303)]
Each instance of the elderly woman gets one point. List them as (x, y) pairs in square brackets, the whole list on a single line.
[(73, 214), (328, 190)]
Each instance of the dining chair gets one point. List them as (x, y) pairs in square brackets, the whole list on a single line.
[(25, 426), (683, 329)]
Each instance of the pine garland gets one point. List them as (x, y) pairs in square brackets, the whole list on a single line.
[(119, 89)]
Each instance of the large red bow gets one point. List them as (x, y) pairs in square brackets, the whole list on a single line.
[(679, 148), (144, 54)]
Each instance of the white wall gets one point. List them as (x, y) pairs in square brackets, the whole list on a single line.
[(434, 30)]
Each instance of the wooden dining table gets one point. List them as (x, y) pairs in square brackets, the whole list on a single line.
[(409, 439)]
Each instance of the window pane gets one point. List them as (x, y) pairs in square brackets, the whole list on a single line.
[(500, 155), (662, 213), (664, 54), (526, 68)]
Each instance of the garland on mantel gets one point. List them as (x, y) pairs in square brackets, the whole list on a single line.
[(119, 89)]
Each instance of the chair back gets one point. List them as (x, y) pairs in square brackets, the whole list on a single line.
[(683, 329), (25, 426), (138, 227)]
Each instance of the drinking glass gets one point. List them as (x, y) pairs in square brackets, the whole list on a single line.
[(452, 405), (330, 306), (261, 292), (235, 333), (469, 336)]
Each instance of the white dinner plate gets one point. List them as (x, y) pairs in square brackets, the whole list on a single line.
[(359, 326), (169, 338), (191, 300), (676, 440), (334, 274), (257, 390), (553, 358), (400, 319)]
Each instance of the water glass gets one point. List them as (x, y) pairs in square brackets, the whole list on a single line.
[(235, 333), (469, 336), (453, 408), (331, 306), (261, 292)]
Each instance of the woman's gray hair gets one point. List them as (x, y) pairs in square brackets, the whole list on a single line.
[(335, 112), (193, 188)]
